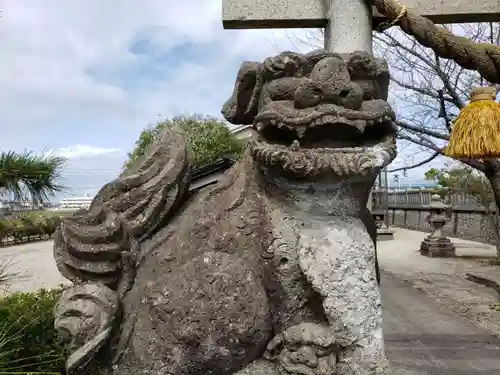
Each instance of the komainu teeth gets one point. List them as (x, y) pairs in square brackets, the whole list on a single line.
[(295, 146), (260, 127)]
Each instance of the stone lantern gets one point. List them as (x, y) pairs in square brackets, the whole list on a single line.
[(436, 244)]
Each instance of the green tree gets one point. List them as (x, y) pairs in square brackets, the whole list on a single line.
[(459, 177), (209, 139), (29, 176), (432, 174)]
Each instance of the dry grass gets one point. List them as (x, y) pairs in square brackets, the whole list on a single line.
[(6, 276)]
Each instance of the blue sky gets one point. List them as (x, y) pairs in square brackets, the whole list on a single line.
[(85, 77)]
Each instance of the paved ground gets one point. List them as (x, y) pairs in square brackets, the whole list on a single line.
[(402, 255), (423, 337), (34, 265), (444, 278)]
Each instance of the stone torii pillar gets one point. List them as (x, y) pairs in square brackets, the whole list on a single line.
[(349, 26)]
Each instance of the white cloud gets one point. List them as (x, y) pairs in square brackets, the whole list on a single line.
[(48, 49), (50, 99), (87, 169), (78, 151)]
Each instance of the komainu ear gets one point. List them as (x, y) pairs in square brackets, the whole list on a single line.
[(241, 108)]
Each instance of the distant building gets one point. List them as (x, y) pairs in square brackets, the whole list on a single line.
[(13, 206), (413, 184), (75, 203), (410, 182)]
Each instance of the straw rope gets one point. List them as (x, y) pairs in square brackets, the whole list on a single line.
[(482, 57)]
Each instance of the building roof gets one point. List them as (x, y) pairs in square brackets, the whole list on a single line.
[(243, 131), (240, 128), (214, 167), (209, 174)]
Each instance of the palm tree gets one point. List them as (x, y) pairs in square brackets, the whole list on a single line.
[(25, 175)]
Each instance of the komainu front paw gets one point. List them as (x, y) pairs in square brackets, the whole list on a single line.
[(306, 348), (84, 315)]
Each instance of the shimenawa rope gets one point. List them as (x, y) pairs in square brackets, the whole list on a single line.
[(482, 57)]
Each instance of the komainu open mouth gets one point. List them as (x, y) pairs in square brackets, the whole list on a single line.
[(317, 113), (335, 128), (342, 141), (309, 160)]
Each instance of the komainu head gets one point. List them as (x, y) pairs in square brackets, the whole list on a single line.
[(316, 113)]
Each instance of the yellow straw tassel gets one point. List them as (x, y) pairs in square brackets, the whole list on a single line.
[(476, 131)]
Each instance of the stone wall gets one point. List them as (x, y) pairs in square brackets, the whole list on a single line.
[(469, 224)]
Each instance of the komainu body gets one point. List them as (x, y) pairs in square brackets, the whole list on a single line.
[(272, 270)]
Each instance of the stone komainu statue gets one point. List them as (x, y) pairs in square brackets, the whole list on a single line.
[(272, 271)]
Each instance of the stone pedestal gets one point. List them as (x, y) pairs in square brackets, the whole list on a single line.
[(436, 244), (437, 247), (385, 234)]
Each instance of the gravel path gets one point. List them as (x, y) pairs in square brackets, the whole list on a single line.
[(423, 338), (444, 279), (33, 265)]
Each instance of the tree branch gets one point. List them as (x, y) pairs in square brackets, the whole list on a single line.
[(445, 78), (420, 90), (425, 161), (418, 129), (422, 141)]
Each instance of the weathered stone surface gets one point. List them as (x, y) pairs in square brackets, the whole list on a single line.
[(433, 248), (273, 269), (370, 73), (306, 348), (350, 20), (245, 14)]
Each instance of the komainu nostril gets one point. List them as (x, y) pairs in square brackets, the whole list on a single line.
[(344, 93), (351, 97)]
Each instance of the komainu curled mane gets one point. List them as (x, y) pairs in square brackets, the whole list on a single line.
[(272, 271)]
